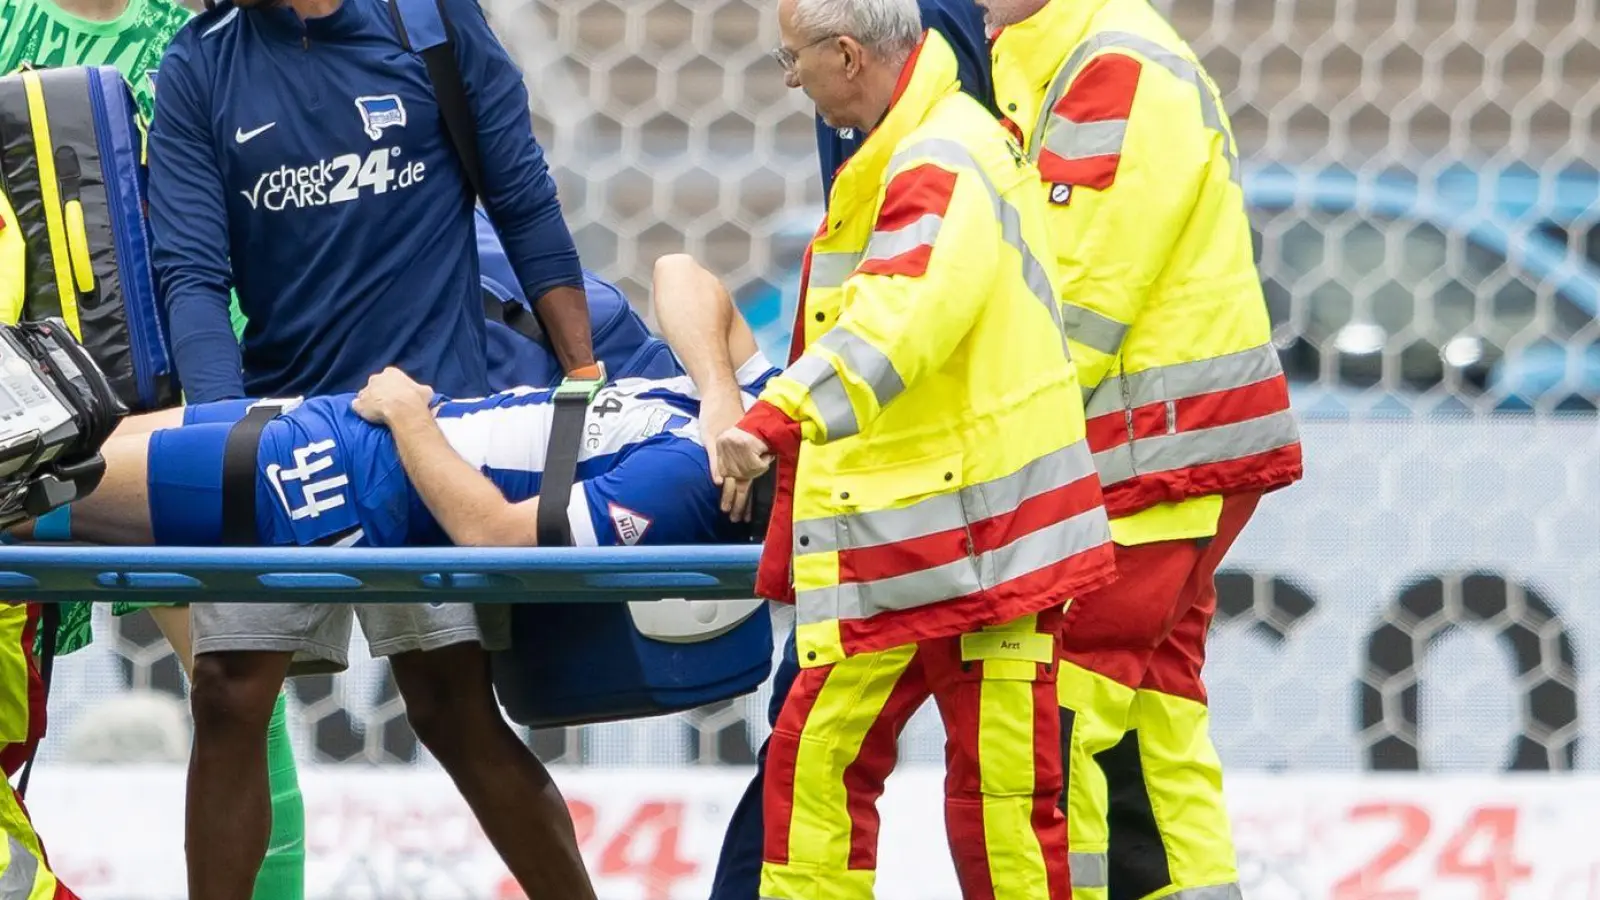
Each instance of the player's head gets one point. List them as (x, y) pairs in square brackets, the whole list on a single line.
[(847, 54), (1000, 13)]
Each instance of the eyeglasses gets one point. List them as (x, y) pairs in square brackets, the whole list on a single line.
[(790, 58)]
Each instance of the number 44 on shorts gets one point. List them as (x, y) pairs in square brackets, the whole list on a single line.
[(1482, 850)]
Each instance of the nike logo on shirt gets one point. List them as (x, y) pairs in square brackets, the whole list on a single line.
[(241, 136)]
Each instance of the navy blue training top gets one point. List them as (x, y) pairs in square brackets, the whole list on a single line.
[(960, 22), (306, 163)]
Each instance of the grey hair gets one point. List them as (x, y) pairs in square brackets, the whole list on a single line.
[(890, 28)]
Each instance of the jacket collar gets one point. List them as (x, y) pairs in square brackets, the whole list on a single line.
[(929, 76), (281, 21), (1040, 43)]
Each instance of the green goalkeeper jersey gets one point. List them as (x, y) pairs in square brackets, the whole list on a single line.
[(43, 34)]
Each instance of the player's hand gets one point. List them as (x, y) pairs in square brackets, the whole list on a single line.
[(391, 393), (736, 498), (741, 455)]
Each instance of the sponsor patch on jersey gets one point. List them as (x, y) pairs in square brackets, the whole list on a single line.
[(630, 525), (338, 179), (1061, 194), (380, 112)]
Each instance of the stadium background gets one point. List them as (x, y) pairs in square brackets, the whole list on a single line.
[(1405, 672)]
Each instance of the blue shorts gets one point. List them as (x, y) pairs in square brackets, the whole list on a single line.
[(311, 467), (184, 475)]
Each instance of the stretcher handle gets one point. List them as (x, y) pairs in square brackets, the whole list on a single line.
[(387, 575)]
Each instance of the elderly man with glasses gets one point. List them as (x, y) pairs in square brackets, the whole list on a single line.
[(960, 24), (936, 503)]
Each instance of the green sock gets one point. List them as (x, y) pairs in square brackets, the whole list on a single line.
[(283, 872)]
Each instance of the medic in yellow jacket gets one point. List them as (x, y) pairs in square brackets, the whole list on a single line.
[(24, 871), (943, 484), (937, 502), (1188, 414)]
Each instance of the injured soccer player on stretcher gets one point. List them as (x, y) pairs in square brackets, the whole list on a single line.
[(398, 465)]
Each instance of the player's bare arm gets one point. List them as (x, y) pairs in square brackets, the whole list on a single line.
[(697, 316), (467, 505)]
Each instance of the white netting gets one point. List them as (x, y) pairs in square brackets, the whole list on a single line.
[(1461, 278)]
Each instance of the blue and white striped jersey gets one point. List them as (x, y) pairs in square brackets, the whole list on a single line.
[(643, 475)]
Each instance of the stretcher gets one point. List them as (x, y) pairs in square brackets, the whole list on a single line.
[(378, 575), (691, 633)]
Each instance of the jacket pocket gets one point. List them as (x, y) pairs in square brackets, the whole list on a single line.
[(894, 484)]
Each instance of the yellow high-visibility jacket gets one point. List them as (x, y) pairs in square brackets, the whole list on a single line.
[(934, 474), (12, 269), (1185, 395)]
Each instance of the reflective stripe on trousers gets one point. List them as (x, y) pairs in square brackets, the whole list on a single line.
[(834, 744)]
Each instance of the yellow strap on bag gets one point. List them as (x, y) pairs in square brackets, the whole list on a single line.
[(13, 277), (54, 209)]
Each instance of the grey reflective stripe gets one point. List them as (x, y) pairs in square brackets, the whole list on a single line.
[(1186, 379), (1209, 892), (16, 883), (944, 512), (1082, 140), (1033, 273), (886, 245), (1168, 452), (1089, 870), (968, 575), (827, 392), (1094, 330), (829, 270), (1181, 69), (867, 362)]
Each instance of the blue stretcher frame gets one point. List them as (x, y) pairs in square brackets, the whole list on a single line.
[(377, 575)]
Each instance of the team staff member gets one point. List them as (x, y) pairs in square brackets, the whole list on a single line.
[(299, 155), (1188, 415), (936, 505), (738, 873)]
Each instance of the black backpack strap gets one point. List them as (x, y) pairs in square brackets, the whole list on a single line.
[(239, 474), (49, 634), (515, 316), (425, 30)]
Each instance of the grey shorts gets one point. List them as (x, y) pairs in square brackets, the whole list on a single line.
[(318, 634)]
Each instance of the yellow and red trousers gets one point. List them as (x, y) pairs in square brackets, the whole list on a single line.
[(24, 870), (835, 741), (1144, 800)]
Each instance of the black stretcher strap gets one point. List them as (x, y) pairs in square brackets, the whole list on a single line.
[(561, 469), (239, 476)]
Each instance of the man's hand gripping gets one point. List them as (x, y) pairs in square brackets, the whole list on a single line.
[(389, 395)]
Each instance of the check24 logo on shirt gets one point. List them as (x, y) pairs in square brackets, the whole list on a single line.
[(341, 178)]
